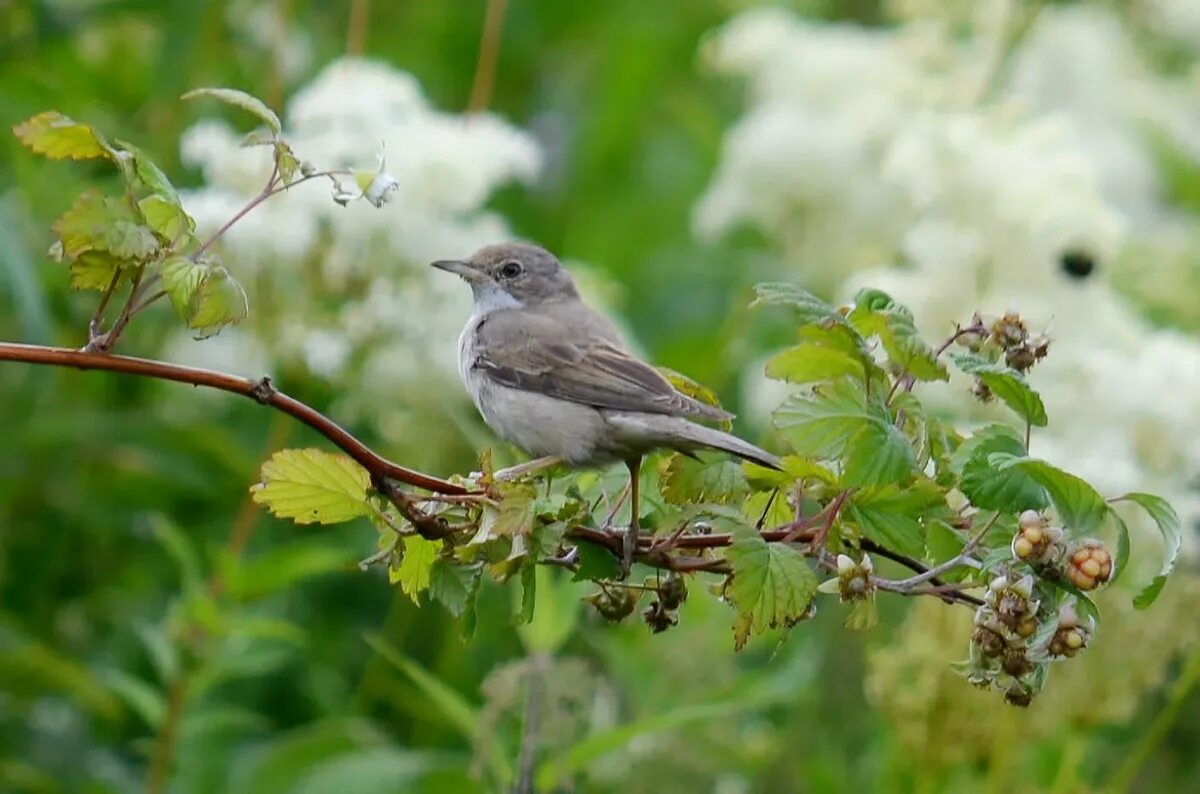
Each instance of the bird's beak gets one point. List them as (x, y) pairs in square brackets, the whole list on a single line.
[(468, 271)]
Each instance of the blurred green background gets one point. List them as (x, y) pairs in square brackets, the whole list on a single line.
[(149, 613)]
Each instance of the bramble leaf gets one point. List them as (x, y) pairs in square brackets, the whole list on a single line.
[(1080, 507), (824, 424), (893, 516), (240, 99), (1007, 384), (876, 314), (166, 217), (94, 270), (181, 277), (514, 514), (686, 480), (771, 585), (1168, 524), (58, 137), (812, 363), (988, 486), (313, 486), (415, 570), (453, 585), (794, 468), (218, 301), (879, 455), (808, 307)]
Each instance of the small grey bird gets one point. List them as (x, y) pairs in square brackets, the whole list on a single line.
[(550, 374)]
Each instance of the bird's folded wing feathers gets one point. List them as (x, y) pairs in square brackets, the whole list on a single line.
[(592, 372)]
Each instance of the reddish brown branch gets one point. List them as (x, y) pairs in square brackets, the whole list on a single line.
[(260, 390)]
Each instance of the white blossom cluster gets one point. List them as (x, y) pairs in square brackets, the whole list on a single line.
[(935, 160), (346, 292)]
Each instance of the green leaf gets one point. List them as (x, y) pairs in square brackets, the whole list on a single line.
[(824, 424), (129, 240), (287, 162), (709, 479), (1080, 507), (260, 136), (95, 270), (808, 307), (149, 174), (876, 314), (240, 99), (1167, 520), (1007, 384), (217, 302), (310, 485), (694, 389), (942, 542), (894, 517), (1122, 558), (415, 571), (771, 585), (141, 697), (595, 563), (811, 363), (880, 454), (768, 509), (453, 585), (181, 277), (166, 218), (794, 468), (528, 594), (988, 486), (513, 516), (58, 137)]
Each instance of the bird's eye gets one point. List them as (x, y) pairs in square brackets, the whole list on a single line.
[(510, 270)]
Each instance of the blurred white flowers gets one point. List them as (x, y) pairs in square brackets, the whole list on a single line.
[(928, 160), (345, 293)]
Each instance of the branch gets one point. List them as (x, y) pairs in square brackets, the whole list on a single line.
[(261, 391)]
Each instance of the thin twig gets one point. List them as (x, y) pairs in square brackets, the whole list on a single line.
[(98, 317), (958, 561)]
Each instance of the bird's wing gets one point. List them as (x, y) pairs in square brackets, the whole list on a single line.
[(540, 353)]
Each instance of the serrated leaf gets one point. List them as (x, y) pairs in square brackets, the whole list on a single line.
[(771, 585), (181, 277), (286, 161), (794, 468), (694, 389), (414, 572), (86, 225), (166, 217), (824, 424), (313, 486), (986, 485), (876, 314), (813, 363), (217, 302), (1167, 521), (452, 585), (808, 307), (513, 516), (58, 137), (710, 478), (595, 562), (130, 240), (94, 270), (148, 173), (1080, 507), (879, 455), (894, 517), (767, 509), (240, 99), (1007, 384)]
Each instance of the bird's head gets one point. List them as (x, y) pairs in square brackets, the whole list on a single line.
[(508, 275)]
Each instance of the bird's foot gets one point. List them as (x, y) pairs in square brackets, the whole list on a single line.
[(629, 544), (528, 467)]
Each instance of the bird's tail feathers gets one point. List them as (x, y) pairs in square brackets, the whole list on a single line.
[(727, 442)]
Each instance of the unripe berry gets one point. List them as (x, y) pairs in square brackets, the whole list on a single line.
[(1088, 565)]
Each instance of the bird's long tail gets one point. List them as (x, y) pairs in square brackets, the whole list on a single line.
[(676, 432), (727, 442)]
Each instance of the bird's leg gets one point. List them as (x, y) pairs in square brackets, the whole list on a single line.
[(528, 467), (629, 547)]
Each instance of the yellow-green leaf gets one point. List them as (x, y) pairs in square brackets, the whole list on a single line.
[(313, 486), (240, 99), (58, 137), (94, 270), (181, 277), (416, 565), (708, 479), (514, 514), (771, 586), (166, 217), (219, 301)]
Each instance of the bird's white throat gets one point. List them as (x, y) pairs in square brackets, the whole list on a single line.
[(492, 298)]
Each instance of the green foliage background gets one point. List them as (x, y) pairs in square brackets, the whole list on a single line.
[(117, 513)]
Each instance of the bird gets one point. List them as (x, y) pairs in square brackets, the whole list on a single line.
[(551, 375)]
